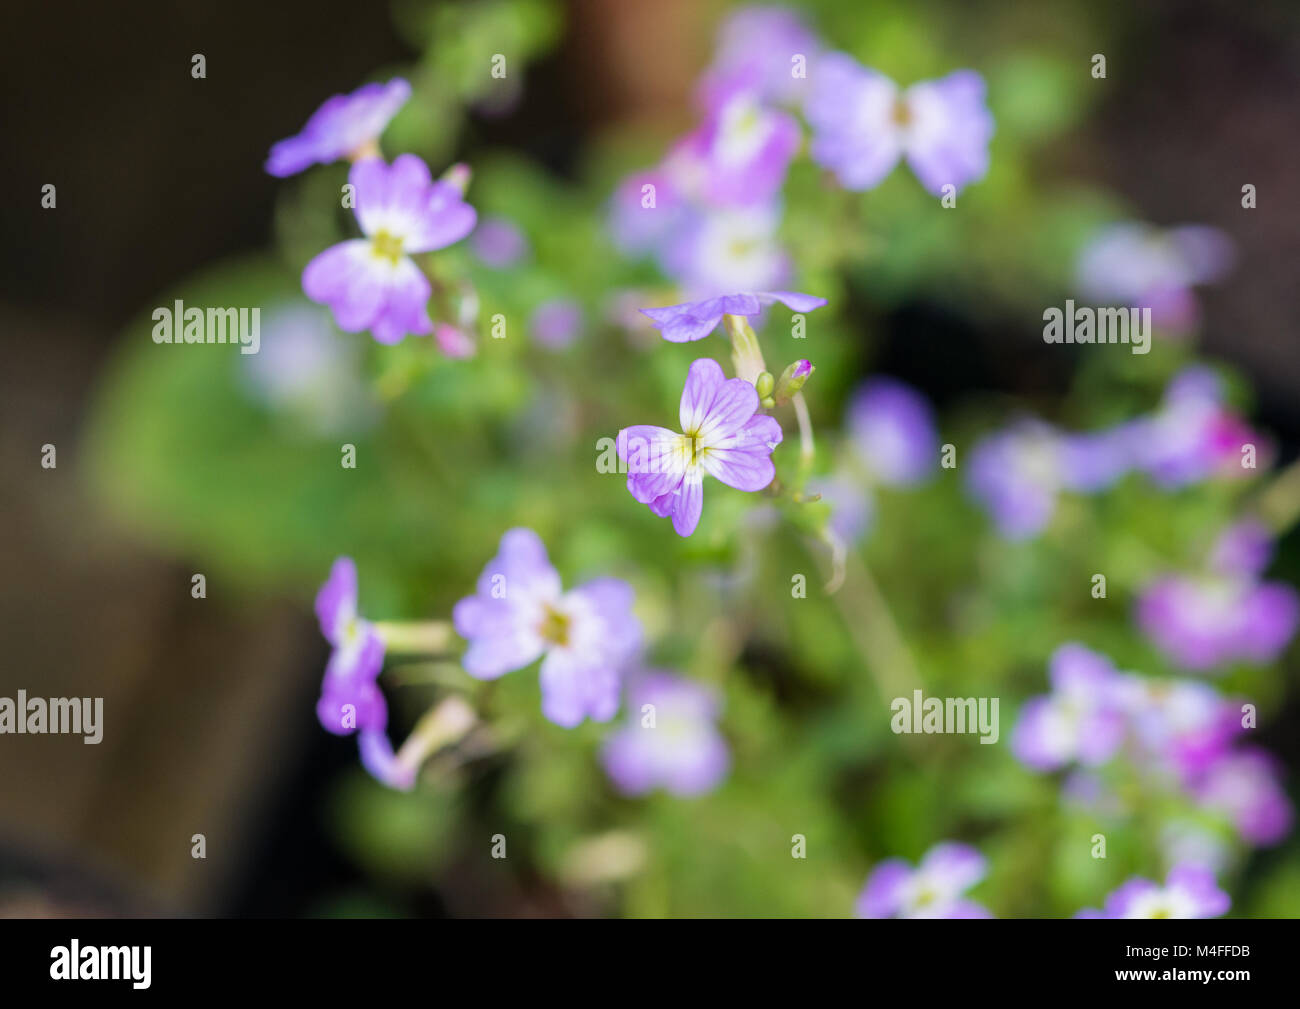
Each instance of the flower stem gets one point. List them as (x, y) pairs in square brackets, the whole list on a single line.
[(413, 637)]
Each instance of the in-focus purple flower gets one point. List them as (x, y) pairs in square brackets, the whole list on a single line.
[(1194, 436), (1202, 622), (723, 434), (520, 613), (346, 126), (1189, 892), (1245, 786), (863, 124), (556, 324), (1017, 474), (891, 427), (934, 889), (695, 320), (498, 242), (742, 149), (372, 283), (760, 45), (1080, 720), (1140, 266), (670, 740)]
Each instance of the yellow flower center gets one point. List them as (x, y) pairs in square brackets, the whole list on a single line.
[(555, 627), (386, 246)]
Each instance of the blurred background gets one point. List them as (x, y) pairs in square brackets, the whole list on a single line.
[(209, 704)]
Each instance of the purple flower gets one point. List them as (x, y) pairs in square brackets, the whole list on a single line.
[(759, 44), (499, 243), (1193, 435), (350, 699), (1017, 474), (723, 434), (556, 324), (1189, 892), (1225, 615), (892, 429), (1181, 725), (520, 614), (670, 740), (862, 125), (695, 320), (1245, 786), (934, 889), (645, 211), (1144, 267), (726, 250), (742, 149), (1080, 720), (346, 126), (372, 283)]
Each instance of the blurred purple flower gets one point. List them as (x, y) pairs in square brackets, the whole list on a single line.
[(520, 614), (345, 126), (673, 745), (645, 211), (556, 324), (759, 44), (1189, 892), (1182, 725), (742, 149), (498, 242), (350, 699), (1246, 787), (891, 426), (1193, 436), (1145, 267), (1225, 615), (1080, 720), (372, 283), (726, 250), (723, 434), (851, 505), (697, 319), (863, 124), (934, 889)]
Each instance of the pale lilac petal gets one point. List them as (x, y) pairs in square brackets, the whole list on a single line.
[(1120, 903), (793, 300), (852, 112), (655, 462), (882, 897), (712, 405), (955, 867), (405, 309), (744, 460), (336, 602), (345, 707), (1197, 885), (351, 281), (948, 137), (341, 126), (573, 690), (443, 219), (687, 505)]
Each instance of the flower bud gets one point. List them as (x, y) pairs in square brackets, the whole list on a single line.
[(792, 380)]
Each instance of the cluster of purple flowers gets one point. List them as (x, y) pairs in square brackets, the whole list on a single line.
[(1226, 613), (590, 643), (1179, 735), (710, 211), (1019, 473), (373, 283), (936, 888)]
